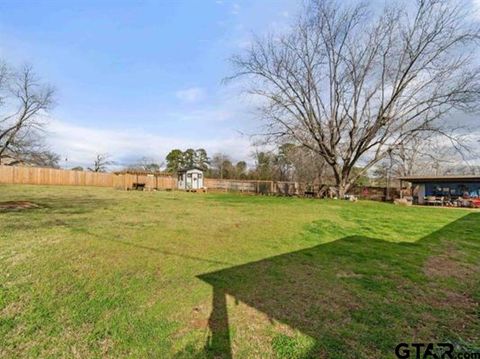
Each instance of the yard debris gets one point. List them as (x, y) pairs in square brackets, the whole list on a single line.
[(402, 202)]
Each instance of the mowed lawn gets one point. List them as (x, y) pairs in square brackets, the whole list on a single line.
[(102, 273)]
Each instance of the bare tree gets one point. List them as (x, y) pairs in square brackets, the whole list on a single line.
[(31, 150), (146, 164), (101, 163), (221, 166), (23, 99), (428, 156), (353, 86), (308, 166)]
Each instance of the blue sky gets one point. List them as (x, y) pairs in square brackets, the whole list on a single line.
[(137, 78)]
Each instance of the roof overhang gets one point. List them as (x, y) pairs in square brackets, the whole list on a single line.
[(425, 179), (182, 170)]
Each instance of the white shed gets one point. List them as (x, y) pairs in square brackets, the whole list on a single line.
[(190, 178)]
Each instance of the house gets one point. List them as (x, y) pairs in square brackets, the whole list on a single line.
[(451, 187), (190, 179)]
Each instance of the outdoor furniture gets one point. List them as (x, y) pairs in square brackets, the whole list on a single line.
[(138, 186), (309, 194), (432, 200)]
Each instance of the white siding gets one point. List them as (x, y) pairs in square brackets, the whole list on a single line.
[(192, 179)]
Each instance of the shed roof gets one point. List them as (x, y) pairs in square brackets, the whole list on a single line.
[(455, 178), (186, 169)]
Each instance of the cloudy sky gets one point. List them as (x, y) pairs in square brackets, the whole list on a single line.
[(138, 78)]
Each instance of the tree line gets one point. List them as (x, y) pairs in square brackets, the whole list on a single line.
[(287, 162)]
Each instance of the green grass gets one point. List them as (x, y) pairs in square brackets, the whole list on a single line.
[(102, 273)]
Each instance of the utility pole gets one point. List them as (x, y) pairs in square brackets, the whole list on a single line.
[(387, 195), (221, 166)]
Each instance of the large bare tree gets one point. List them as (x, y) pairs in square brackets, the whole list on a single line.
[(354, 83), (24, 101)]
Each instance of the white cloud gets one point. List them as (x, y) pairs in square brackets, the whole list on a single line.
[(235, 9), (202, 116), (475, 13), (216, 125), (80, 144), (192, 94)]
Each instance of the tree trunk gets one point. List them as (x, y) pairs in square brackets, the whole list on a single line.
[(343, 186), (343, 181)]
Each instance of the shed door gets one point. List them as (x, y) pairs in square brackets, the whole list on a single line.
[(195, 181)]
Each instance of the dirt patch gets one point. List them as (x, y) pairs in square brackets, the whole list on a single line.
[(17, 205), (462, 304), (443, 266)]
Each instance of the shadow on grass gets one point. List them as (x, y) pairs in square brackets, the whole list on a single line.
[(354, 293)]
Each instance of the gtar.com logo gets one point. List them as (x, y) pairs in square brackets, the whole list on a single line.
[(433, 351), (424, 350)]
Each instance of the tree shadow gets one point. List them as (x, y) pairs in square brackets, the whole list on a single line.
[(350, 282)]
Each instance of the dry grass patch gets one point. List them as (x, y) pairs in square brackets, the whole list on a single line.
[(446, 266), (17, 205)]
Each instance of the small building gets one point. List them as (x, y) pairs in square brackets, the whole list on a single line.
[(452, 187), (190, 179)]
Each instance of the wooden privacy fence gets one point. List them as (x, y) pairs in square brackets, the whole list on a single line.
[(255, 186), (248, 186), (51, 176), (151, 181), (125, 180)]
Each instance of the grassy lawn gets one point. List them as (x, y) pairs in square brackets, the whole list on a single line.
[(102, 273)]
